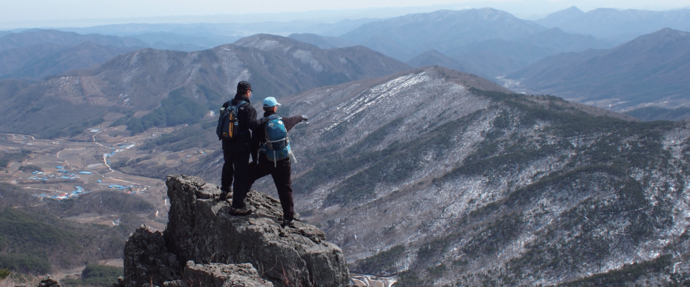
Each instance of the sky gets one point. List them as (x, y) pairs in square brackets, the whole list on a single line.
[(65, 13)]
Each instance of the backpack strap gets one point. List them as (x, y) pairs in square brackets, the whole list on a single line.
[(236, 109), (225, 107), (277, 141), (241, 103)]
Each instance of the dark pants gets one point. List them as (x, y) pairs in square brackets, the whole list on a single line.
[(228, 172), (237, 165), (281, 174)]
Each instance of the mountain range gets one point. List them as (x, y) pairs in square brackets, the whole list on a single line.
[(39, 53), (445, 178), (181, 42), (35, 37), (406, 36), (487, 42), (493, 43), (497, 57), (201, 36), (651, 69), (323, 42), (179, 37), (617, 25), (39, 61), (139, 81)]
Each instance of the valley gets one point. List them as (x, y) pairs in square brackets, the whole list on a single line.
[(71, 168), (78, 180)]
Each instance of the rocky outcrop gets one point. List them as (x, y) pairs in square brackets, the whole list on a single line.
[(147, 259), (216, 274), (49, 282), (220, 248)]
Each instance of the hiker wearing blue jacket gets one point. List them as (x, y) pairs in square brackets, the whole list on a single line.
[(271, 146), (236, 151)]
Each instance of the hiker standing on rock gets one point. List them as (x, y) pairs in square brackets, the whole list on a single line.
[(271, 146), (237, 119)]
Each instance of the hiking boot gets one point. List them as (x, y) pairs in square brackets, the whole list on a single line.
[(223, 195), (288, 223), (240, 211)]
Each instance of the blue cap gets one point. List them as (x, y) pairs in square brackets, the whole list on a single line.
[(270, 102)]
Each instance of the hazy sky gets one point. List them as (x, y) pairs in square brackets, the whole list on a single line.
[(27, 13)]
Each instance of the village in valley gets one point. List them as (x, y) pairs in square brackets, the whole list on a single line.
[(69, 168)]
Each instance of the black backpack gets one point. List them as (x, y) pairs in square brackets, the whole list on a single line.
[(228, 123)]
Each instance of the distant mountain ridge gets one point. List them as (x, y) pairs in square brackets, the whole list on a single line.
[(618, 25), (39, 53), (487, 42), (653, 68), (558, 18), (323, 42), (441, 30), (563, 42), (199, 36), (47, 59), (35, 37), (186, 43), (139, 81)]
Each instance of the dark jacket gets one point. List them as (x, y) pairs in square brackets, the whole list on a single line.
[(259, 132), (247, 117)]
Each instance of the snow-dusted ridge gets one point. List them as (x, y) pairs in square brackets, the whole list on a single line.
[(471, 180)]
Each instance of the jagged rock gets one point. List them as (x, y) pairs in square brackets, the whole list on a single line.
[(201, 230), (147, 259), (49, 282), (120, 282), (223, 275)]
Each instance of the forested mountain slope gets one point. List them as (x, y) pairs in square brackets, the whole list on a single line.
[(651, 70)]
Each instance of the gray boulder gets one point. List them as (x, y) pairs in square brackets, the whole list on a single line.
[(147, 259), (201, 230), (223, 275)]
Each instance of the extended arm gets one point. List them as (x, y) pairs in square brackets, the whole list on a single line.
[(291, 122)]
